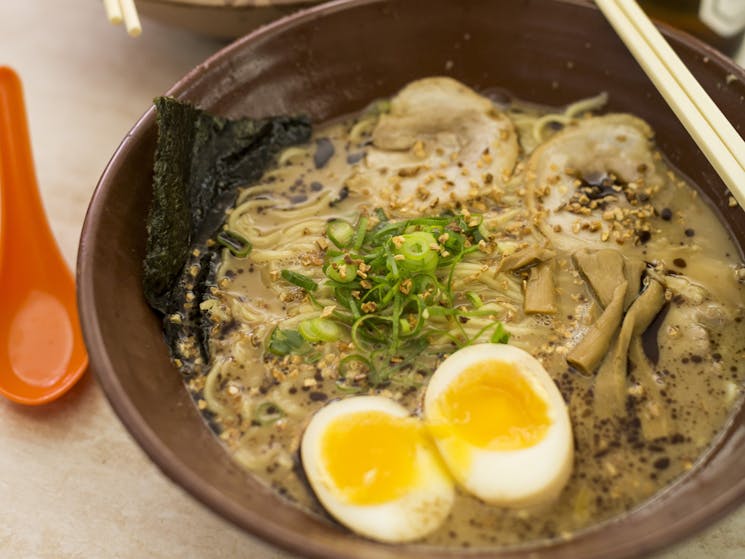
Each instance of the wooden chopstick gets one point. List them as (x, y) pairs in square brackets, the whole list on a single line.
[(131, 19), (118, 11), (685, 79), (709, 128), (113, 11)]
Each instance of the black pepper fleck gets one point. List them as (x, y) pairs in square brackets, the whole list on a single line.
[(661, 463), (324, 151), (343, 194), (353, 158)]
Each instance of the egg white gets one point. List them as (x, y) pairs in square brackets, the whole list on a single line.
[(513, 478), (415, 514)]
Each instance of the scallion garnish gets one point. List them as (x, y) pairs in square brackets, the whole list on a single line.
[(419, 251), (352, 365), (474, 299), (235, 243), (393, 288), (500, 335), (267, 413), (341, 269), (359, 236), (319, 330), (300, 280), (284, 342), (340, 232)]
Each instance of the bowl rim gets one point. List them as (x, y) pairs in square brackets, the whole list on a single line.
[(682, 527), (230, 4)]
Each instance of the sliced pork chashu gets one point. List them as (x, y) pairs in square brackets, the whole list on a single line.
[(594, 182), (440, 144)]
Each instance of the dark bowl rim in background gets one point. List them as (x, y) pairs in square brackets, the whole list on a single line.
[(688, 523), (233, 6)]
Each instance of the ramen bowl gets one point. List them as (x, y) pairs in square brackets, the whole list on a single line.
[(224, 19), (330, 61)]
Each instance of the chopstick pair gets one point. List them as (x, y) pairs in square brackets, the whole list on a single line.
[(119, 11), (709, 128)]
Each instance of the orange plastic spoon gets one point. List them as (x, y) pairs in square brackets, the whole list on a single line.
[(41, 347)]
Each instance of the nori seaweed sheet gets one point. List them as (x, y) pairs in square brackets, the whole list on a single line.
[(201, 160)]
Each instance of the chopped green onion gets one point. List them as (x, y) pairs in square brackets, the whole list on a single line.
[(390, 263), (348, 388), (311, 356), (359, 236), (418, 252), (267, 413), (340, 232), (284, 342), (319, 330), (500, 335), (235, 243), (483, 231), (436, 311), (474, 299), (339, 271), (347, 365), (355, 309), (300, 280), (394, 297)]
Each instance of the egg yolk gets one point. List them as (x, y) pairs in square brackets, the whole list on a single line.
[(492, 406), (371, 456)]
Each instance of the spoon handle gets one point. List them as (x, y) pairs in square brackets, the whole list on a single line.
[(42, 353), (21, 210)]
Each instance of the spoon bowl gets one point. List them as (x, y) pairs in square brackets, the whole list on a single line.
[(41, 347)]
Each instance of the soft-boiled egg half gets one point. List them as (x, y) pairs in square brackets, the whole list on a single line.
[(501, 425), (375, 469)]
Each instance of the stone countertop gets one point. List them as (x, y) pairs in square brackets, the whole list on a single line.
[(74, 484)]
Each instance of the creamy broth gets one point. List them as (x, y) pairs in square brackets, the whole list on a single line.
[(682, 373)]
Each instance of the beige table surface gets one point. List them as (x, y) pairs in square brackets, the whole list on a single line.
[(73, 484)]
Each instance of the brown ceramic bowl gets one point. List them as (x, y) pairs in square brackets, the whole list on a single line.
[(328, 61), (223, 19)]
